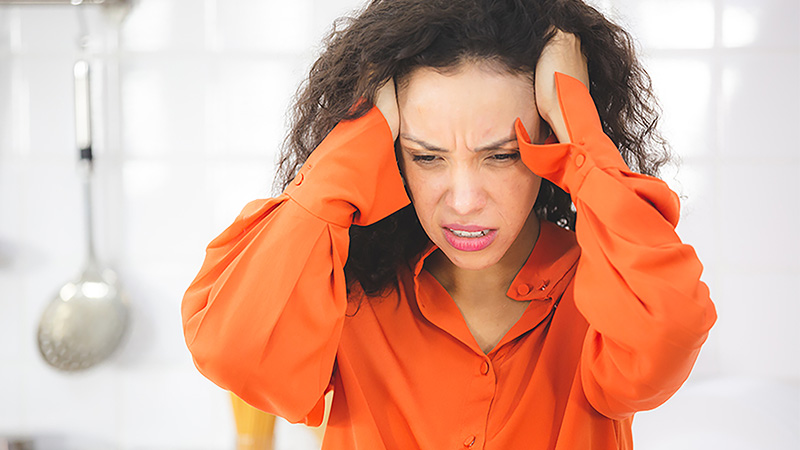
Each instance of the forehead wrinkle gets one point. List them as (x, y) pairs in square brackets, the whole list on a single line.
[(496, 144), (433, 148)]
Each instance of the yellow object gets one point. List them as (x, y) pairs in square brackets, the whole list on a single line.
[(254, 428), (319, 431)]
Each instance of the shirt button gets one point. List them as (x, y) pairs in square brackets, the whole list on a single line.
[(580, 159), (469, 441), (523, 289), (298, 180), (485, 368)]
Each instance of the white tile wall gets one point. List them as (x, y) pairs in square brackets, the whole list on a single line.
[(165, 105), (758, 323), (674, 24), (191, 114), (681, 81), (167, 25), (6, 75), (732, 413), (58, 402), (727, 75), (269, 26), (50, 105), (5, 27), (248, 100), (62, 25), (759, 231), (164, 199), (760, 97), (159, 405), (231, 184), (769, 24)]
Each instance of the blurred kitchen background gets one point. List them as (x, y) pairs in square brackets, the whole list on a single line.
[(189, 101)]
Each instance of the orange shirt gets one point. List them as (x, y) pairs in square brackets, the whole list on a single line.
[(616, 318)]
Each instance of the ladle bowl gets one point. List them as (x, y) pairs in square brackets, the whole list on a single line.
[(85, 322)]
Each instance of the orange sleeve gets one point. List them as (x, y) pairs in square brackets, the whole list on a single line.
[(637, 284), (264, 315)]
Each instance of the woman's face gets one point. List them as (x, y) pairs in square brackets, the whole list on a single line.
[(460, 159)]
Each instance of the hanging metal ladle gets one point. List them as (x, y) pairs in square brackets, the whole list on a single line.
[(87, 319)]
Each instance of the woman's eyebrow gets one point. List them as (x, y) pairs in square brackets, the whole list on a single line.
[(427, 146), (430, 147)]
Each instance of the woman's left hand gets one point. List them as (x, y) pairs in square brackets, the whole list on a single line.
[(562, 54), (386, 102)]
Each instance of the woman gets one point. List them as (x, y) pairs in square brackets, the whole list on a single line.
[(426, 263)]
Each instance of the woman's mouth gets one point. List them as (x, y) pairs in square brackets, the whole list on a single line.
[(469, 238), (469, 234)]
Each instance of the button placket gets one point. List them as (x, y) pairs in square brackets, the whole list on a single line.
[(482, 393)]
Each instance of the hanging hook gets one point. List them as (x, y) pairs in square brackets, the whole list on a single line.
[(83, 27)]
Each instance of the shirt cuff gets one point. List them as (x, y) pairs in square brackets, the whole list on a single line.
[(352, 176), (567, 165)]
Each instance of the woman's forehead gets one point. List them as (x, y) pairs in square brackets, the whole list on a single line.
[(472, 104)]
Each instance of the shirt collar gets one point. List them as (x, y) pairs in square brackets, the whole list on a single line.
[(543, 276)]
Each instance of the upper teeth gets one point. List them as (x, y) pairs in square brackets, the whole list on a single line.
[(469, 234)]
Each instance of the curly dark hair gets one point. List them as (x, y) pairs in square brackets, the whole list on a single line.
[(390, 38)]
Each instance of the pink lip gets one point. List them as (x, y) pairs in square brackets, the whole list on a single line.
[(467, 244)]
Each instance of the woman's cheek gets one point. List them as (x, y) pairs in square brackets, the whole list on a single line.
[(422, 186)]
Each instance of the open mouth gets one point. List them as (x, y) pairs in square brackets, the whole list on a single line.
[(469, 234), (472, 240)]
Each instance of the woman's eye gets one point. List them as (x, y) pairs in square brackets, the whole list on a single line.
[(505, 156), (424, 158)]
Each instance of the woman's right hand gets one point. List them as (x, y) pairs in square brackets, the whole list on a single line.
[(562, 54), (386, 101)]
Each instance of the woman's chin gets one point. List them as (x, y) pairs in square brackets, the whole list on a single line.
[(471, 260)]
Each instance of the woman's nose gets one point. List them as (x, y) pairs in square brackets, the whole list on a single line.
[(466, 194)]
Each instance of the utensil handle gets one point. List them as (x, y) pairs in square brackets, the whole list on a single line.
[(83, 136), (83, 110)]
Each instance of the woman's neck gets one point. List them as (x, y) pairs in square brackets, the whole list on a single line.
[(492, 280)]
